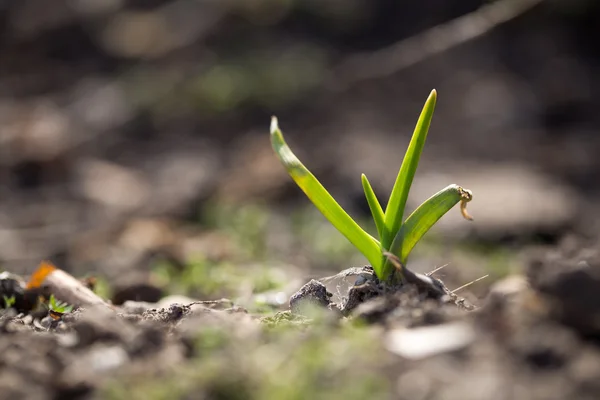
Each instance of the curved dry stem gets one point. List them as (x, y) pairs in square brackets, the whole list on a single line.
[(410, 51)]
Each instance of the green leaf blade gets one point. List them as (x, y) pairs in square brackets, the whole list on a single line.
[(374, 206), (424, 217), (395, 209), (324, 202)]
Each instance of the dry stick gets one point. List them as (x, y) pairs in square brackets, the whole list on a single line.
[(410, 51), (469, 284), (64, 287), (437, 269), (69, 289)]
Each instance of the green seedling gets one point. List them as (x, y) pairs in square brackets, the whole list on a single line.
[(58, 306), (9, 301), (396, 236)]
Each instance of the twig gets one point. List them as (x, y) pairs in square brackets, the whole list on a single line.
[(410, 51), (469, 284), (65, 287), (437, 269)]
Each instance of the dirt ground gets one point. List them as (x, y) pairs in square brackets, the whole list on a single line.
[(534, 337), (134, 149)]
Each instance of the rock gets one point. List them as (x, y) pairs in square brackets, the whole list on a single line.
[(364, 289), (508, 200), (571, 285), (312, 294), (428, 341)]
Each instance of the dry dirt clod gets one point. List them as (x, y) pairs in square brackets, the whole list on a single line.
[(368, 287), (571, 285), (171, 314), (377, 309), (360, 293), (312, 294)]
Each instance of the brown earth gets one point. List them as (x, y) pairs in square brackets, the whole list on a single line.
[(533, 337), (115, 146)]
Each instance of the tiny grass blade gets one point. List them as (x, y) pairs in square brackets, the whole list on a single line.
[(374, 205), (423, 218), (395, 209), (324, 202)]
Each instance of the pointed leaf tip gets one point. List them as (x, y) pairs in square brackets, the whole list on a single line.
[(274, 124), (432, 97)]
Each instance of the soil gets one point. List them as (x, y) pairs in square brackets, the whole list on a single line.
[(108, 154), (535, 336)]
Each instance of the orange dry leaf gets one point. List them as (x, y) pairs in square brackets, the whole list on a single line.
[(37, 278)]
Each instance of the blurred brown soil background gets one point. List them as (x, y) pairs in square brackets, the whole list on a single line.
[(121, 121)]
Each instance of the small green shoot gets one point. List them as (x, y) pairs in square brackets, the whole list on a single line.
[(9, 301), (374, 206), (58, 306), (395, 235)]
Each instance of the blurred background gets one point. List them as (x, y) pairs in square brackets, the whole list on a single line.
[(134, 134)]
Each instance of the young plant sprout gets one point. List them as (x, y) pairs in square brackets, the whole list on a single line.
[(9, 301), (396, 237), (58, 306)]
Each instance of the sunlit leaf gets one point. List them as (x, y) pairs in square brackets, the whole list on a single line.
[(395, 209), (324, 202), (374, 206)]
